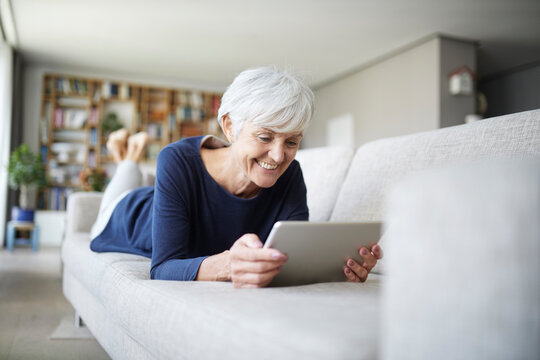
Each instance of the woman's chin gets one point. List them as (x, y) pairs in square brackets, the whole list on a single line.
[(265, 183)]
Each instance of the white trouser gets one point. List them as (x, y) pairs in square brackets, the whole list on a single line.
[(127, 177)]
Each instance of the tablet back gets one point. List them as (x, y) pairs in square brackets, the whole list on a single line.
[(318, 250)]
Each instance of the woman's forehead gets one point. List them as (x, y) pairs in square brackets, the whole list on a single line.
[(255, 128)]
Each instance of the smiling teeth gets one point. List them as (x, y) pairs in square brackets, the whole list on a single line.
[(266, 165)]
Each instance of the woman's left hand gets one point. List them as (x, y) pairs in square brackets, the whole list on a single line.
[(359, 273)]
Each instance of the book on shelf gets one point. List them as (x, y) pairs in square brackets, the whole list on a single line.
[(195, 115), (93, 137), (182, 98), (172, 122), (196, 99), (44, 151), (92, 160), (106, 89), (124, 91), (44, 130), (71, 86), (57, 198), (71, 119), (191, 129), (93, 119), (216, 102), (97, 93), (154, 130)]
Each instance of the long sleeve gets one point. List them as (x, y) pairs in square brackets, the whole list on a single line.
[(170, 221)]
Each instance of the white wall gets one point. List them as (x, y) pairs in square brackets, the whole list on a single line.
[(402, 94), (6, 89), (384, 98)]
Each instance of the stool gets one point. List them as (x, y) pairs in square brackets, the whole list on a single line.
[(11, 234)]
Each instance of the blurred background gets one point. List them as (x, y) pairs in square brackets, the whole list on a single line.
[(71, 69)]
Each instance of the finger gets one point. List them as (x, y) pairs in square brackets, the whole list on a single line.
[(369, 260), (376, 250), (258, 280), (249, 240), (241, 267), (351, 276), (247, 254), (357, 269)]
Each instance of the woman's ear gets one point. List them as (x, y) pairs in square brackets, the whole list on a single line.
[(227, 127)]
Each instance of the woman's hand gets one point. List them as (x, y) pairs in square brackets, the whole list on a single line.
[(359, 273), (251, 266)]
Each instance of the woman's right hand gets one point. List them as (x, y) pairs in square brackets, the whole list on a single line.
[(251, 266)]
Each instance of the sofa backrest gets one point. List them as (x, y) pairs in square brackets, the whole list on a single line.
[(378, 165), (324, 170), (82, 210)]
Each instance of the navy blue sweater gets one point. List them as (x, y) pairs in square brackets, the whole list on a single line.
[(188, 216)]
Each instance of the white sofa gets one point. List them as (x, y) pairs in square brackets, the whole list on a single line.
[(134, 317)]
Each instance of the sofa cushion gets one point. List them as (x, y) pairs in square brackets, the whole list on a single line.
[(196, 320), (90, 267), (82, 211), (378, 165), (463, 276), (324, 171), (214, 320)]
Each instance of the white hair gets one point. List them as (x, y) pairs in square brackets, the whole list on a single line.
[(267, 97)]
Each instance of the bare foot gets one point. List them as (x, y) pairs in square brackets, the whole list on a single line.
[(117, 144), (136, 146)]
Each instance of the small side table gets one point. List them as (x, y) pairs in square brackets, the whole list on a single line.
[(11, 234)]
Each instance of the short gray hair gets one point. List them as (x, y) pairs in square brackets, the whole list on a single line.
[(268, 97)]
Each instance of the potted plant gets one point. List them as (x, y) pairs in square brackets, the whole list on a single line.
[(110, 123), (26, 172), (93, 179)]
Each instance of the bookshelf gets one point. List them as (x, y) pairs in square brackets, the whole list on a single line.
[(73, 110)]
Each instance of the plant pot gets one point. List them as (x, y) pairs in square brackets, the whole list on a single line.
[(20, 214)]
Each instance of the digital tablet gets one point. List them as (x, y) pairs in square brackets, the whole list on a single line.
[(317, 251)]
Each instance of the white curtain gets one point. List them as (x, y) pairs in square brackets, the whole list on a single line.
[(6, 89)]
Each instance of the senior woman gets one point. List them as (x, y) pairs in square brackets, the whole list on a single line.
[(214, 201)]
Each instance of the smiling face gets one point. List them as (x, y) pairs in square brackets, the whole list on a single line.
[(262, 154)]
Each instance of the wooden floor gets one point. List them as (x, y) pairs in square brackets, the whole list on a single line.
[(32, 305)]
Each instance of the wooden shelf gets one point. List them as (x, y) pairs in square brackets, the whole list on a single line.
[(65, 184), (155, 110)]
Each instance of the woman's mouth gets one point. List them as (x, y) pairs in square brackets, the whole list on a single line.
[(266, 166)]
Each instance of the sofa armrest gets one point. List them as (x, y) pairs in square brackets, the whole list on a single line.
[(463, 264), (82, 211)]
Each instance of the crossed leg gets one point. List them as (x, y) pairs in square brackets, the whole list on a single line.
[(126, 151), (122, 147)]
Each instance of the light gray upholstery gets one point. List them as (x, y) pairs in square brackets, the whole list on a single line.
[(378, 165), (464, 263), (137, 318), (82, 210), (324, 171)]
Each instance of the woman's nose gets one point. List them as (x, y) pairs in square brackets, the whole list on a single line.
[(277, 153)]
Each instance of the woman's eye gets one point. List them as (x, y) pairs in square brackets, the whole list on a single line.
[(292, 143), (264, 139)]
